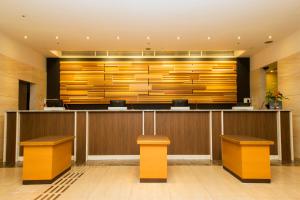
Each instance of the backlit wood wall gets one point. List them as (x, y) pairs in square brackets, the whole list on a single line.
[(148, 82)]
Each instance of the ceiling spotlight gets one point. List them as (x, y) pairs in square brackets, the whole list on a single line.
[(270, 37), (87, 37), (148, 37), (56, 37), (239, 37), (209, 38), (23, 16), (25, 37), (118, 37), (178, 38)]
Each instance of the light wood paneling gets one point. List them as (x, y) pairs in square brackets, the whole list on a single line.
[(187, 131), (148, 82), (11, 71), (288, 84)]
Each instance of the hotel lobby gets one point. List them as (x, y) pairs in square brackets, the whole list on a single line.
[(155, 100)]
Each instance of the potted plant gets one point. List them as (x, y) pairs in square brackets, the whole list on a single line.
[(274, 100)]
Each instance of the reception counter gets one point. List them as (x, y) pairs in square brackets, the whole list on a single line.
[(103, 134)]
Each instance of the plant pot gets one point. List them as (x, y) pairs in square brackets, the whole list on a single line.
[(275, 105)]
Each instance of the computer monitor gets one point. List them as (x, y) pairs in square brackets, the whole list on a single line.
[(180, 103), (54, 103), (117, 103)]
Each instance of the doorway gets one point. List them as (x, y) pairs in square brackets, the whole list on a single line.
[(24, 95)]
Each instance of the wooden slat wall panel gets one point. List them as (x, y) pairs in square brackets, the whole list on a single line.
[(188, 132), (256, 124), (145, 82)]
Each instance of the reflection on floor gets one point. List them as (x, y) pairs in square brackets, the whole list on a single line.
[(101, 181)]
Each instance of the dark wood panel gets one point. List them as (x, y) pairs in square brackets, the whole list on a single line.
[(149, 123), (11, 138), (81, 138), (256, 124), (38, 124), (188, 131), (24, 95), (216, 132), (114, 133), (285, 137)]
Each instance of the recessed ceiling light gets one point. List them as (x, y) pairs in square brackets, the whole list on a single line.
[(148, 37), (178, 38), (87, 37), (239, 37), (118, 37), (270, 37), (23, 16), (56, 37), (209, 38), (25, 37)]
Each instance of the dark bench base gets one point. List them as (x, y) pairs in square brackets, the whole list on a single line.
[(247, 180), (35, 182), (153, 180)]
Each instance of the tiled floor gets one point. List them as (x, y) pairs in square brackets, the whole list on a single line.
[(184, 182)]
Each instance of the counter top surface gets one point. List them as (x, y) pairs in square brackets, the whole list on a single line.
[(158, 110), (47, 140), (149, 139), (246, 140)]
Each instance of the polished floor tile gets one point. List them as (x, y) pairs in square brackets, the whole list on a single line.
[(209, 182)]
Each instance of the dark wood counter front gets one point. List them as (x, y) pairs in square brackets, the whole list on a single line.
[(114, 133), (188, 132), (193, 134), (255, 124)]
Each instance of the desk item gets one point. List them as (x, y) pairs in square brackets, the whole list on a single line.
[(180, 108), (247, 158), (46, 158), (243, 108), (153, 158), (117, 108), (180, 103)]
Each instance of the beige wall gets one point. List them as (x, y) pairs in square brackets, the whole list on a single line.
[(257, 87), (276, 51), (286, 52), (271, 82), (288, 84), (17, 62)]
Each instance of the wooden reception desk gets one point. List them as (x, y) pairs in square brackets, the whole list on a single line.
[(103, 134)]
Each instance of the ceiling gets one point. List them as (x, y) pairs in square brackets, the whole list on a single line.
[(162, 20)]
